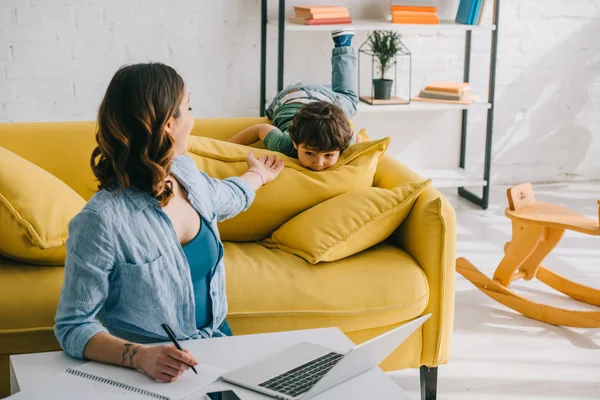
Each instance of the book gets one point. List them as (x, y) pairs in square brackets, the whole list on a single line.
[(321, 9), (448, 96), (484, 2), (464, 11), (412, 14), (319, 15), (431, 20), (413, 8), (454, 87), (465, 102), (423, 3), (95, 381), (328, 21), (461, 93), (475, 12)]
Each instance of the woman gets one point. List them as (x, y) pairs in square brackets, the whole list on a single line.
[(145, 250)]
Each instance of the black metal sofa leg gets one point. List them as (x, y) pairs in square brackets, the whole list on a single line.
[(428, 383)]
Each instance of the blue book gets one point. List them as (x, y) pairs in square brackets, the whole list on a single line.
[(477, 9), (464, 11)]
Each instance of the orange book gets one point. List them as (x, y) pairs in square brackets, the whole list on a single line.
[(432, 20), (329, 21), (460, 93), (412, 14), (320, 9), (454, 87), (320, 15), (414, 8)]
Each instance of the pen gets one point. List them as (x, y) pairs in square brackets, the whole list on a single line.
[(172, 337)]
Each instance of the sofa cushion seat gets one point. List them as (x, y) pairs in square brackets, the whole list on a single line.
[(271, 290), (29, 296)]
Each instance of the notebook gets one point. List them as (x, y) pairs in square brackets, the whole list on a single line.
[(94, 380)]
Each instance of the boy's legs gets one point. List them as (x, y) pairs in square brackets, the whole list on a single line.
[(344, 80)]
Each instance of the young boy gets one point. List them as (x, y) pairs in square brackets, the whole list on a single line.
[(311, 122)]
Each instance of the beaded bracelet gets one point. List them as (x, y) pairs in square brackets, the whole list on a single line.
[(261, 177)]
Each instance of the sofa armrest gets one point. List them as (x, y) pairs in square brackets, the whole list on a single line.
[(428, 234)]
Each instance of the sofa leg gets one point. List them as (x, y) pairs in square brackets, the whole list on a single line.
[(428, 383)]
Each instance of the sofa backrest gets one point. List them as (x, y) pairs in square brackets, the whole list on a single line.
[(64, 148)]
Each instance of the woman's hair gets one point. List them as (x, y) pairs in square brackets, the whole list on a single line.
[(322, 127), (133, 147)]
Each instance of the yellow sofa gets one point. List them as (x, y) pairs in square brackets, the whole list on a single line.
[(364, 295)]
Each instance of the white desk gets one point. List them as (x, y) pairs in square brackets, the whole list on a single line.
[(228, 353)]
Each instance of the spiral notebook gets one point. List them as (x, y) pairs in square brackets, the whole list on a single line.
[(100, 381)]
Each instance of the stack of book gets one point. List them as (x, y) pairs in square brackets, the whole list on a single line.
[(414, 12), (470, 12), (321, 15), (447, 92)]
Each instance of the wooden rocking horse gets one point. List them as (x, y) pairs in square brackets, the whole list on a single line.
[(536, 229)]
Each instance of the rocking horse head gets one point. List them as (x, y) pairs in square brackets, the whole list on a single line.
[(520, 196)]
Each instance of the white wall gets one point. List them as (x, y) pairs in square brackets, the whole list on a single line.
[(57, 56)]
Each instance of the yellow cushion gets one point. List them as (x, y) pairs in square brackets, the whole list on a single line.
[(363, 135), (61, 148), (269, 290), (35, 210), (295, 190), (346, 224)]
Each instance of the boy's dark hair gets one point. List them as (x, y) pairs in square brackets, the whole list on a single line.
[(322, 127)]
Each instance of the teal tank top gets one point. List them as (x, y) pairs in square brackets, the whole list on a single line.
[(202, 254)]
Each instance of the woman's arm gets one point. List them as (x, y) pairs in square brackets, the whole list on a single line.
[(89, 263), (252, 134), (233, 195), (262, 171), (164, 363)]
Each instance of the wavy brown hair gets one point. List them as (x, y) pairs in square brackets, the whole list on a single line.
[(133, 147)]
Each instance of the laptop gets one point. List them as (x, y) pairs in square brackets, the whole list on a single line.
[(306, 369)]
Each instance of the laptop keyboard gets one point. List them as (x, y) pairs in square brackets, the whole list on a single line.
[(300, 379)]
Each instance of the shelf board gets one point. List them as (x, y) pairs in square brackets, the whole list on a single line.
[(378, 24), (418, 106), (450, 178)]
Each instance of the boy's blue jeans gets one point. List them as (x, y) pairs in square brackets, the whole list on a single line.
[(342, 91)]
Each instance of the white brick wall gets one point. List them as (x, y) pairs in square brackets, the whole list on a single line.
[(57, 56)]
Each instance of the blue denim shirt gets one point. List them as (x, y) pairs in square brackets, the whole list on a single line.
[(125, 271)]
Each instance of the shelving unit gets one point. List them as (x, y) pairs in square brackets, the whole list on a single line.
[(419, 106), (441, 177), (374, 25)]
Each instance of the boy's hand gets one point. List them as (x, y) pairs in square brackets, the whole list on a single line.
[(268, 167)]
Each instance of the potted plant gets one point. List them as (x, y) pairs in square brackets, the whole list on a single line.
[(384, 45)]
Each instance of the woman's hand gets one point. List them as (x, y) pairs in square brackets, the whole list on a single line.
[(164, 363), (268, 167)]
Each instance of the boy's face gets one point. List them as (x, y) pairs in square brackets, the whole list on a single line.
[(314, 160)]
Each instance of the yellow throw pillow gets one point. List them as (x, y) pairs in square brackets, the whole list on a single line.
[(347, 224), (35, 210), (296, 189)]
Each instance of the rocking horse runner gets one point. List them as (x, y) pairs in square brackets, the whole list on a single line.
[(536, 229)]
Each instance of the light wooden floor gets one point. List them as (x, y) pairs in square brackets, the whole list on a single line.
[(498, 354)]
